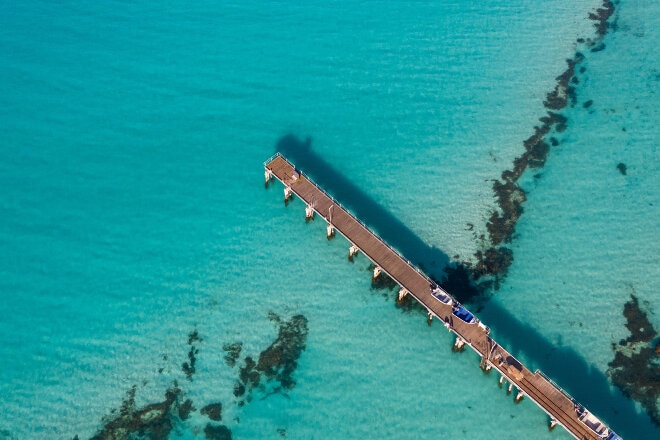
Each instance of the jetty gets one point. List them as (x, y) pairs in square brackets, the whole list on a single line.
[(562, 409)]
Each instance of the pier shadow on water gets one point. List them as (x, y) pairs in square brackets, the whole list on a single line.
[(584, 382), (564, 365), (428, 258)]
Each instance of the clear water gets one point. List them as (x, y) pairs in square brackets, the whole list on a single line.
[(132, 207)]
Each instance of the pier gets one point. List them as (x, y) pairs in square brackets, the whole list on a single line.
[(562, 409)]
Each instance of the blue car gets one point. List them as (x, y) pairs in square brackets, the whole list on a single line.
[(462, 313)]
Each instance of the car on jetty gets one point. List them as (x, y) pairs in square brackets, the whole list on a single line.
[(463, 314), (441, 295), (593, 423)]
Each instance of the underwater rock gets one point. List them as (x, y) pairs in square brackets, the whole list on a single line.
[(558, 98), (248, 374), (213, 411), (634, 369), (538, 154), (193, 336), (510, 198), (239, 389), (185, 409), (217, 432), (277, 362), (601, 16), (623, 169), (494, 262), (638, 323), (189, 367), (153, 421), (233, 352)]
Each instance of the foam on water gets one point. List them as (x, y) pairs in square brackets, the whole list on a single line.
[(133, 211)]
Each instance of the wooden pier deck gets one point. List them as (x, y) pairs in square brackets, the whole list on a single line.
[(561, 408)]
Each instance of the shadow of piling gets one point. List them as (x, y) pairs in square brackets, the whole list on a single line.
[(564, 365)]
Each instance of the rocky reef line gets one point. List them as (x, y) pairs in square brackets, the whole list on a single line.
[(474, 277)]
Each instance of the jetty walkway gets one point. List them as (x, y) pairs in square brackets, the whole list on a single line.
[(561, 407)]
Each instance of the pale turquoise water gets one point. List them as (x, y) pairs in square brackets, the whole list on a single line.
[(133, 209)]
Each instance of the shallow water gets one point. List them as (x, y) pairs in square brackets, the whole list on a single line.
[(133, 210)]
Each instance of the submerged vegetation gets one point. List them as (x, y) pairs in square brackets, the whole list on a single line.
[(153, 421), (277, 363), (635, 369), (489, 266), (275, 366)]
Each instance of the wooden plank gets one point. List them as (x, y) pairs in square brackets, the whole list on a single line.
[(544, 393)]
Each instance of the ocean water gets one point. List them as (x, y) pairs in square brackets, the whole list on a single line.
[(133, 210)]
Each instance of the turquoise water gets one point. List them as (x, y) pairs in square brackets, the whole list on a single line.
[(133, 209)]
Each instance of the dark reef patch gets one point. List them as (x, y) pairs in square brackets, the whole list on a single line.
[(588, 103), (153, 421), (220, 432), (189, 367), (248, 375), (185, 409), (280, 360), (494, 261), (510, 198), (601, 17), (635, 369), (213, 411), (239, 389), (277, 363), (233, 353), (623, 169), (558, 98), (193, 336)]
